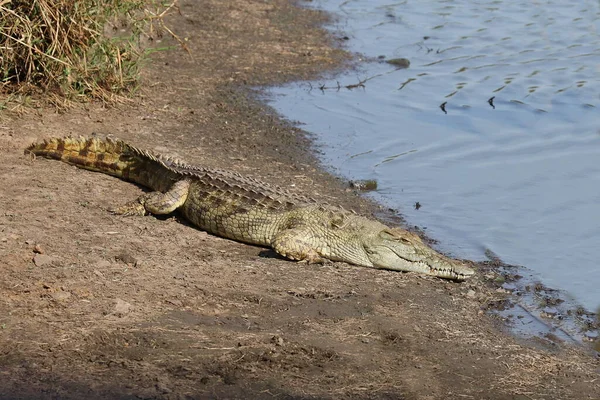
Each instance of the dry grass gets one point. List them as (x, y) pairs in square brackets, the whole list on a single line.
[(75, 49)]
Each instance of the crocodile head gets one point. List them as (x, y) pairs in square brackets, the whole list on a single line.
[(397, 249)]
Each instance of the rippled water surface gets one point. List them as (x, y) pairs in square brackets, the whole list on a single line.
[(521, 179)]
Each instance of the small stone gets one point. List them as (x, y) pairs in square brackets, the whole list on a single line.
[(179, 276), (122, 307), (102, 265), (42, 260), (38, 249), (61, 296), (471, 293), (278, 340), (399, 62), (363, 185), (126, 258)]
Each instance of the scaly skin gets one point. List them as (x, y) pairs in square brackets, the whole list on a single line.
[(227, 204)]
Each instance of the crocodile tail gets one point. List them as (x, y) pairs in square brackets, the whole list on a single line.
[(112, 157)]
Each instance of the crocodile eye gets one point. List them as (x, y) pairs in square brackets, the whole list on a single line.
[(385, 234)]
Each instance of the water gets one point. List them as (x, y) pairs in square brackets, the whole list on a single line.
[(521, 179)]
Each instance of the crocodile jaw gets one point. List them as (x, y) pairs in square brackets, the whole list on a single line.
[(400, 250), (447, 270)]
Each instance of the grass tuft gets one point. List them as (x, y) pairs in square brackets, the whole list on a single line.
[(75, 49)]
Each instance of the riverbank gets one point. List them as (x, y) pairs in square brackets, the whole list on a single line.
[(99, 306)]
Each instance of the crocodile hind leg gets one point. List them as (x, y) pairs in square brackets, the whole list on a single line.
[(295, 244), (157, 202)]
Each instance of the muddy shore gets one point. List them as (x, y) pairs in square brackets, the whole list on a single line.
[(99, 306)]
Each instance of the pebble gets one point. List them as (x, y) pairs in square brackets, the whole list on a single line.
[(61, 296), (364, 185), (278, 340), (42, 260), (399, 62), (122, 307), (102, 265), (127, 258)]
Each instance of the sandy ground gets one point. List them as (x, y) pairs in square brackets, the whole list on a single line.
[(100, 306)]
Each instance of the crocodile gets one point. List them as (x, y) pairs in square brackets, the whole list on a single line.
[(244, 209)]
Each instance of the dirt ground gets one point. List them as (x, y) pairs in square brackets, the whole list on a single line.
[(100, 306)]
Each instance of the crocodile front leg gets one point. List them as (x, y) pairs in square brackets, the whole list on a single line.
[(156, 202), (297, 244)]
